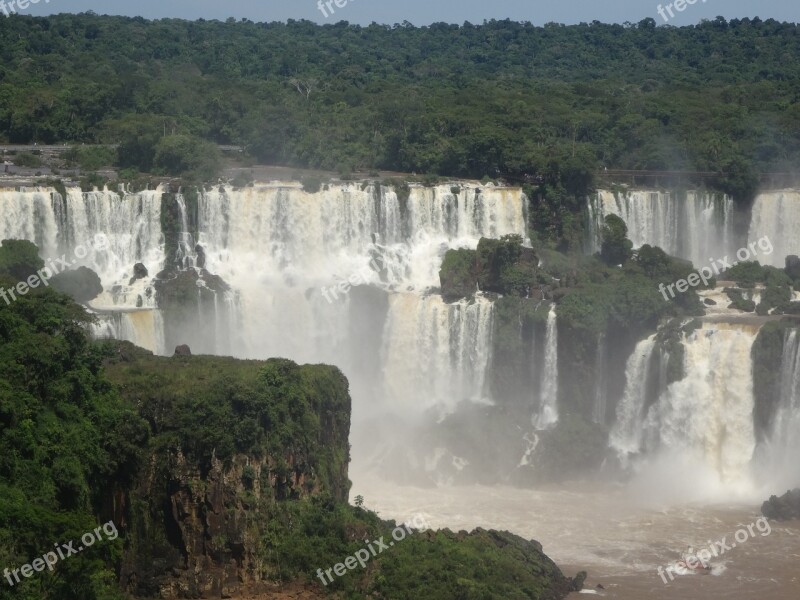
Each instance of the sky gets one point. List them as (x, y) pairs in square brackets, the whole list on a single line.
[(424, 12)]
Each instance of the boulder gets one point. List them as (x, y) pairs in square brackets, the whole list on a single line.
[(183, 350), (82, 284), (785, 508)]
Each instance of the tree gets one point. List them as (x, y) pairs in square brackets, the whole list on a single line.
[(186, 155), (616, 248), (19, 259)]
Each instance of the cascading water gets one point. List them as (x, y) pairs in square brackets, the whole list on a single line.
[(776, 215), (435, 354), (703, 421), (547, 415), (145, 328), (783, 443), (130, 226), (36, 216), (697, 227), (600, 407), (286, 251), (626, 435)]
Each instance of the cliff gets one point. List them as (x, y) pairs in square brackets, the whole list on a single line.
[(231, 440)]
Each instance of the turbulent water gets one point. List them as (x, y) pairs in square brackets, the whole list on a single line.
[(697, 227), (348, 276)]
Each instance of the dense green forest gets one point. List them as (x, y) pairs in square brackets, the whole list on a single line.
[(499, 99)]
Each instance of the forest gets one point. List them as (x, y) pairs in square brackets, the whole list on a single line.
[(551, 104)]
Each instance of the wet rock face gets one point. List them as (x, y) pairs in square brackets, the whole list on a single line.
[(204, 531), (785, 508), (139, 272), (793, 266)]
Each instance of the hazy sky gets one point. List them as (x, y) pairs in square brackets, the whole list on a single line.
[(422, 12)]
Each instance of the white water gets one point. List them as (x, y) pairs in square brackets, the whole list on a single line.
[(434, 354), (130, 224), (783, 444), (706, 419), (626, 436), (547, 415), (776, 215), (144, 328), (34, 216), (696, 228)]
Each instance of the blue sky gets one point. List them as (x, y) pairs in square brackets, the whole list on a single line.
[(422, 12)]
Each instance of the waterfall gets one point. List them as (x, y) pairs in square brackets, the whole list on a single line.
[(131, 224), (783, 444), (435, 354), (707, 417), (786, 429), (185, 245), (36, 216), (145, 328), (695, 228), (776, 215), (548, 396), (330, 235), (626, 435), (287, 251), (600, 406)]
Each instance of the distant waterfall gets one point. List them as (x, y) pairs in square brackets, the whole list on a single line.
[(434, 354), (626, 435), (776, 215), (332, 234), (696, 228), (783, 444), (547, 415)]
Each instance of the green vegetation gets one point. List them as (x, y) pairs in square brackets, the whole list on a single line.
[(220, 407), (776, 295), (19, 259), (90, 158), (616, 248), (188, 156), (26, 159), (502, 99), (64, 439), (92, 432)]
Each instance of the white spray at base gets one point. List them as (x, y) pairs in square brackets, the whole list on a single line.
[(697, 440)]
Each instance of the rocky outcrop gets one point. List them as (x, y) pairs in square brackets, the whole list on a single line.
[(202, 540), (785, 508), (190, 297), (229, 440), (82, 284)]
